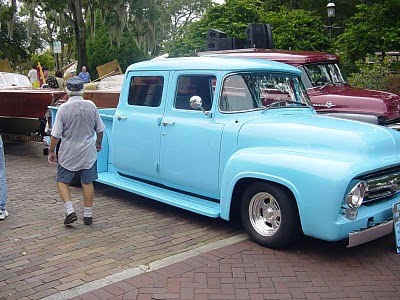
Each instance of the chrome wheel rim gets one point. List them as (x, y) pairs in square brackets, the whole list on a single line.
[(264, 214)]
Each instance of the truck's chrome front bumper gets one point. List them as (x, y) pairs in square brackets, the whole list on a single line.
[(369, 234)]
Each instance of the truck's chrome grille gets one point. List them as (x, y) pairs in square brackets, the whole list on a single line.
[(382, 184), (395, 126)]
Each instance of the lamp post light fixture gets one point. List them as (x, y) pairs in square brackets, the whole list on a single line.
[(331, 9)]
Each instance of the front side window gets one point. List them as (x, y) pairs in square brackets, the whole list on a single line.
[(195, 85), (146, 91), (244, 92), (324, 74)]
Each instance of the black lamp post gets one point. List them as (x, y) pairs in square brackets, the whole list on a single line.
[(331, 9)]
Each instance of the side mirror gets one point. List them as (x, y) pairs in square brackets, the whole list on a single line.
[(196, 102)]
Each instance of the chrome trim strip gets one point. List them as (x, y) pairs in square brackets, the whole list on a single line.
[(328, 104), (369, 234), (355, 117)]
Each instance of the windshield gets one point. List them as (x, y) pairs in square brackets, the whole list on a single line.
[(8, 80), (244, 92), (323, 74), (111, 83)]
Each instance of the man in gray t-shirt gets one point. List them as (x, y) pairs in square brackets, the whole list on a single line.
[(76, 124)]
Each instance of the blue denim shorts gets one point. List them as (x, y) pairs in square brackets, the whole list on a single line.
[(86, 175)]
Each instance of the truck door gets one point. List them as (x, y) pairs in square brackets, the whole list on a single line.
[(136, 129), (190, 139)]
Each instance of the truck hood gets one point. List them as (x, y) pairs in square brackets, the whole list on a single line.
[(342, 98), (318, 134)]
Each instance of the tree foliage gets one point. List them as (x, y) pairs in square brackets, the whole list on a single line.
[(370, 75), (231, 17), (182, 14), (13, 47), (373, 28), (101, 49), (292, 29), (45, 59), (297, 30), (132, 30)]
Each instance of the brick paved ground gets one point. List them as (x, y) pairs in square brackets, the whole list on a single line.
[(311, 269), (41, 257)]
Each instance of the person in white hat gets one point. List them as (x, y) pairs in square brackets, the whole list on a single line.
[(76, 124)]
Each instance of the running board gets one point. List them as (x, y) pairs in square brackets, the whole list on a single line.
[(187, 202)]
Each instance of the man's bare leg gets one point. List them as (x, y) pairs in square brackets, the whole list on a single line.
[(65, 194), (88, 195), (63, 189)]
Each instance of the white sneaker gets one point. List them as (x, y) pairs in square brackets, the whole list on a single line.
[(3, 214)]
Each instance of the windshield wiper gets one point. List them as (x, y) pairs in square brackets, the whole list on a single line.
[(279, 103)]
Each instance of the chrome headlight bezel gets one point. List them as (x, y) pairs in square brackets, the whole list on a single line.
[(355, 197)]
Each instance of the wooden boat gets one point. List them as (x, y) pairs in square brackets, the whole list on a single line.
[(104, 93), (22, 107)]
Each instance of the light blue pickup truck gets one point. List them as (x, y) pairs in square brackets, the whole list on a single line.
[(238, 137)]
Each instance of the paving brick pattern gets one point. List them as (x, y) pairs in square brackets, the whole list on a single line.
[(310, 269), (39, 256)]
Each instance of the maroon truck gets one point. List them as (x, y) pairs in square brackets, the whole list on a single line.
[(327, 86)]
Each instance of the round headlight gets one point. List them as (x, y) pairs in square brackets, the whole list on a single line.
[(356, 196)]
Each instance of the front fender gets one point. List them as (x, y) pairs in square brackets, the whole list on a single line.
[(318, 184)]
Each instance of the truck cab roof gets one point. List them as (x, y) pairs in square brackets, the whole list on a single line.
[(295, 58), (236, 64)]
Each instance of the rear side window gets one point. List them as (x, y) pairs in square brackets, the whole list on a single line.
[(146, 91)]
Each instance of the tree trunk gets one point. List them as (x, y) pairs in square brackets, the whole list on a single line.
[(80, 33), (31, 20), (294, 4), (12, 19)]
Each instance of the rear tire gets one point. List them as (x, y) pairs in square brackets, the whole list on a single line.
[(269, 215)]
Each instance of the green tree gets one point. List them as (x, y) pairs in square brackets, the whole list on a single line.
[(101, 49), (59, 20), (76, 8), (373, 28), (12, 49), (13, 39), (294, 29), (36, 35), (46, 59), (12, 17), (182, 14), (231, 17), (297, 30)]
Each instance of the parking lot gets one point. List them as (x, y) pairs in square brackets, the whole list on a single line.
[(40, 257)]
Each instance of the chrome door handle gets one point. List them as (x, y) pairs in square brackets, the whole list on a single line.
[(119, 118), (165, 123)]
